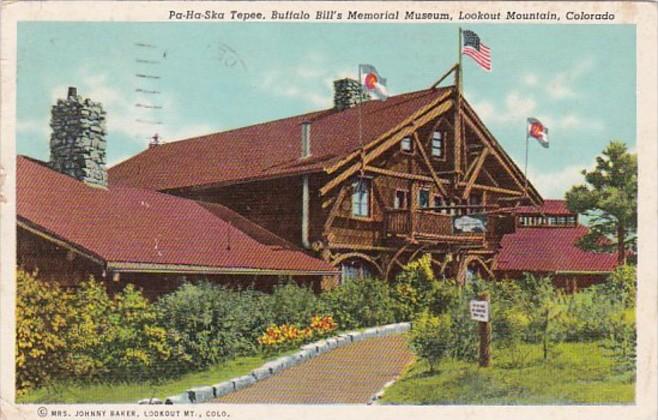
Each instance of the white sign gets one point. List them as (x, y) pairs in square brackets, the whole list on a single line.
[(480, 310)]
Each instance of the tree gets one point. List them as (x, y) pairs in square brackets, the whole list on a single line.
[(609, 199)]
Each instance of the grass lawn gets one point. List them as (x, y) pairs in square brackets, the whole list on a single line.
[(577, 373), (71, 393)]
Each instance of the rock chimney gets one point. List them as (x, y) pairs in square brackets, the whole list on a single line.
[(77, 142), (347, 93)]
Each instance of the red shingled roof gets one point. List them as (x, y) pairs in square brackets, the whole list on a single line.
[(552, 207), (124, 225), (266, 150), (549, 250)]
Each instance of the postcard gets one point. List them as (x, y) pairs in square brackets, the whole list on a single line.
[(215, 210)]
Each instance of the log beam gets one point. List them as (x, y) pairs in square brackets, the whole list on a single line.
[(476, 173), (483, 138), (493, 189), (401, 175), (407, 121), (385, 145), (428, 163), (335, 209)]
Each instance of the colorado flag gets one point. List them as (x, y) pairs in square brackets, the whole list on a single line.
[(372, 82), (538, 131)]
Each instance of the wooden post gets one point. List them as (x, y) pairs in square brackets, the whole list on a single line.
[(485, 335), (413, 195)]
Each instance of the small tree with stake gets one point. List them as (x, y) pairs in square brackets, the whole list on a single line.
[(609, 199)]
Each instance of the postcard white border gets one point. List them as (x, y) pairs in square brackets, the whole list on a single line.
[(642, 14)]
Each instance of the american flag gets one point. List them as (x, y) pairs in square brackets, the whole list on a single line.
[(475, 49)]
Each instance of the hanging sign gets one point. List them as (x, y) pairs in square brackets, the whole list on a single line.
[(480, 310), (472, 223)]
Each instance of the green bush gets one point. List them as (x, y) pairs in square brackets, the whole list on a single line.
[(621, 285), (87, 335), (621, 344), (360, 303), (431, 337), (42, 319), (416, 289), (213, 323), (118, 338), (294, 305)]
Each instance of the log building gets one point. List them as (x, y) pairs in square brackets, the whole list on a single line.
[(366, 185), (356, 190)]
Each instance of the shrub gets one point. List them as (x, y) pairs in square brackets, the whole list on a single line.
[(621, 344), (621, 285), (360, 303), (416, 290), (42, 318), (118, 338), (293, 304), (88, 335), (589, 314), (213, 323), (431, 336), (546, 310)]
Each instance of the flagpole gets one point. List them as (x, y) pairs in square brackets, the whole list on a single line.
[(363, 159), (459, 62), (525, 171)]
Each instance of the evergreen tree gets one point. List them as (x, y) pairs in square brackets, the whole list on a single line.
[(609, 199)]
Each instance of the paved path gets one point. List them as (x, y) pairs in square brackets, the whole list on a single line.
[(346, 375)]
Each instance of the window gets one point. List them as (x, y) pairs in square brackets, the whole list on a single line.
[(423, 199), (406, 145), (401, 199), (437, 144), (438, 202), (354, 270), (361, 197)]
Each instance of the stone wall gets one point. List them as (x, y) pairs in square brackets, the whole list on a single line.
[(77, 142)]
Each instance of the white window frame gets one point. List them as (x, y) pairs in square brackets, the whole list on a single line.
[(358, 200), (441, 141), (409, 141)]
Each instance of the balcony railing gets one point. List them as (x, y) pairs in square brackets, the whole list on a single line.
[(434, 223)]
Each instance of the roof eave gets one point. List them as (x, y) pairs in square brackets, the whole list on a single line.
[(142, 267)]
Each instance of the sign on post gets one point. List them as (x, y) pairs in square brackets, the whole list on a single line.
[(480, 310)]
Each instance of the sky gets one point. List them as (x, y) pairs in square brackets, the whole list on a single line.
[(579, 80)]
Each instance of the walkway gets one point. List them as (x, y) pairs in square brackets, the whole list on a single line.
[(346, 375)]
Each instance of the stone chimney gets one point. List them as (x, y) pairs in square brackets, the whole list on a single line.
[(77, 143), (347, 92)]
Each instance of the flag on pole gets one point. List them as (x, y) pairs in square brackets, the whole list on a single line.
[(372, 82), (475, 49), (538, 131)]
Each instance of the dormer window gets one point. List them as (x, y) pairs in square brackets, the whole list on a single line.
[(406, 145), (437, 145)]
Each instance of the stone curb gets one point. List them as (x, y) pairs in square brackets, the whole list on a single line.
[(306, 352)]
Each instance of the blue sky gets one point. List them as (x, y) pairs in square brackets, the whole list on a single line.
[(578, 79)]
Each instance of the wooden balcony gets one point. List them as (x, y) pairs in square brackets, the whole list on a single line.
[(433, 224)]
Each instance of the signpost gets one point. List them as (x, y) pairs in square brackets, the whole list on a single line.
[(480, 312)]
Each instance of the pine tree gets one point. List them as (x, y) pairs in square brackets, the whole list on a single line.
[(609, 200)]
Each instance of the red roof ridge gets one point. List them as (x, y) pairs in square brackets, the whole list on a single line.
[(315, 116)]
